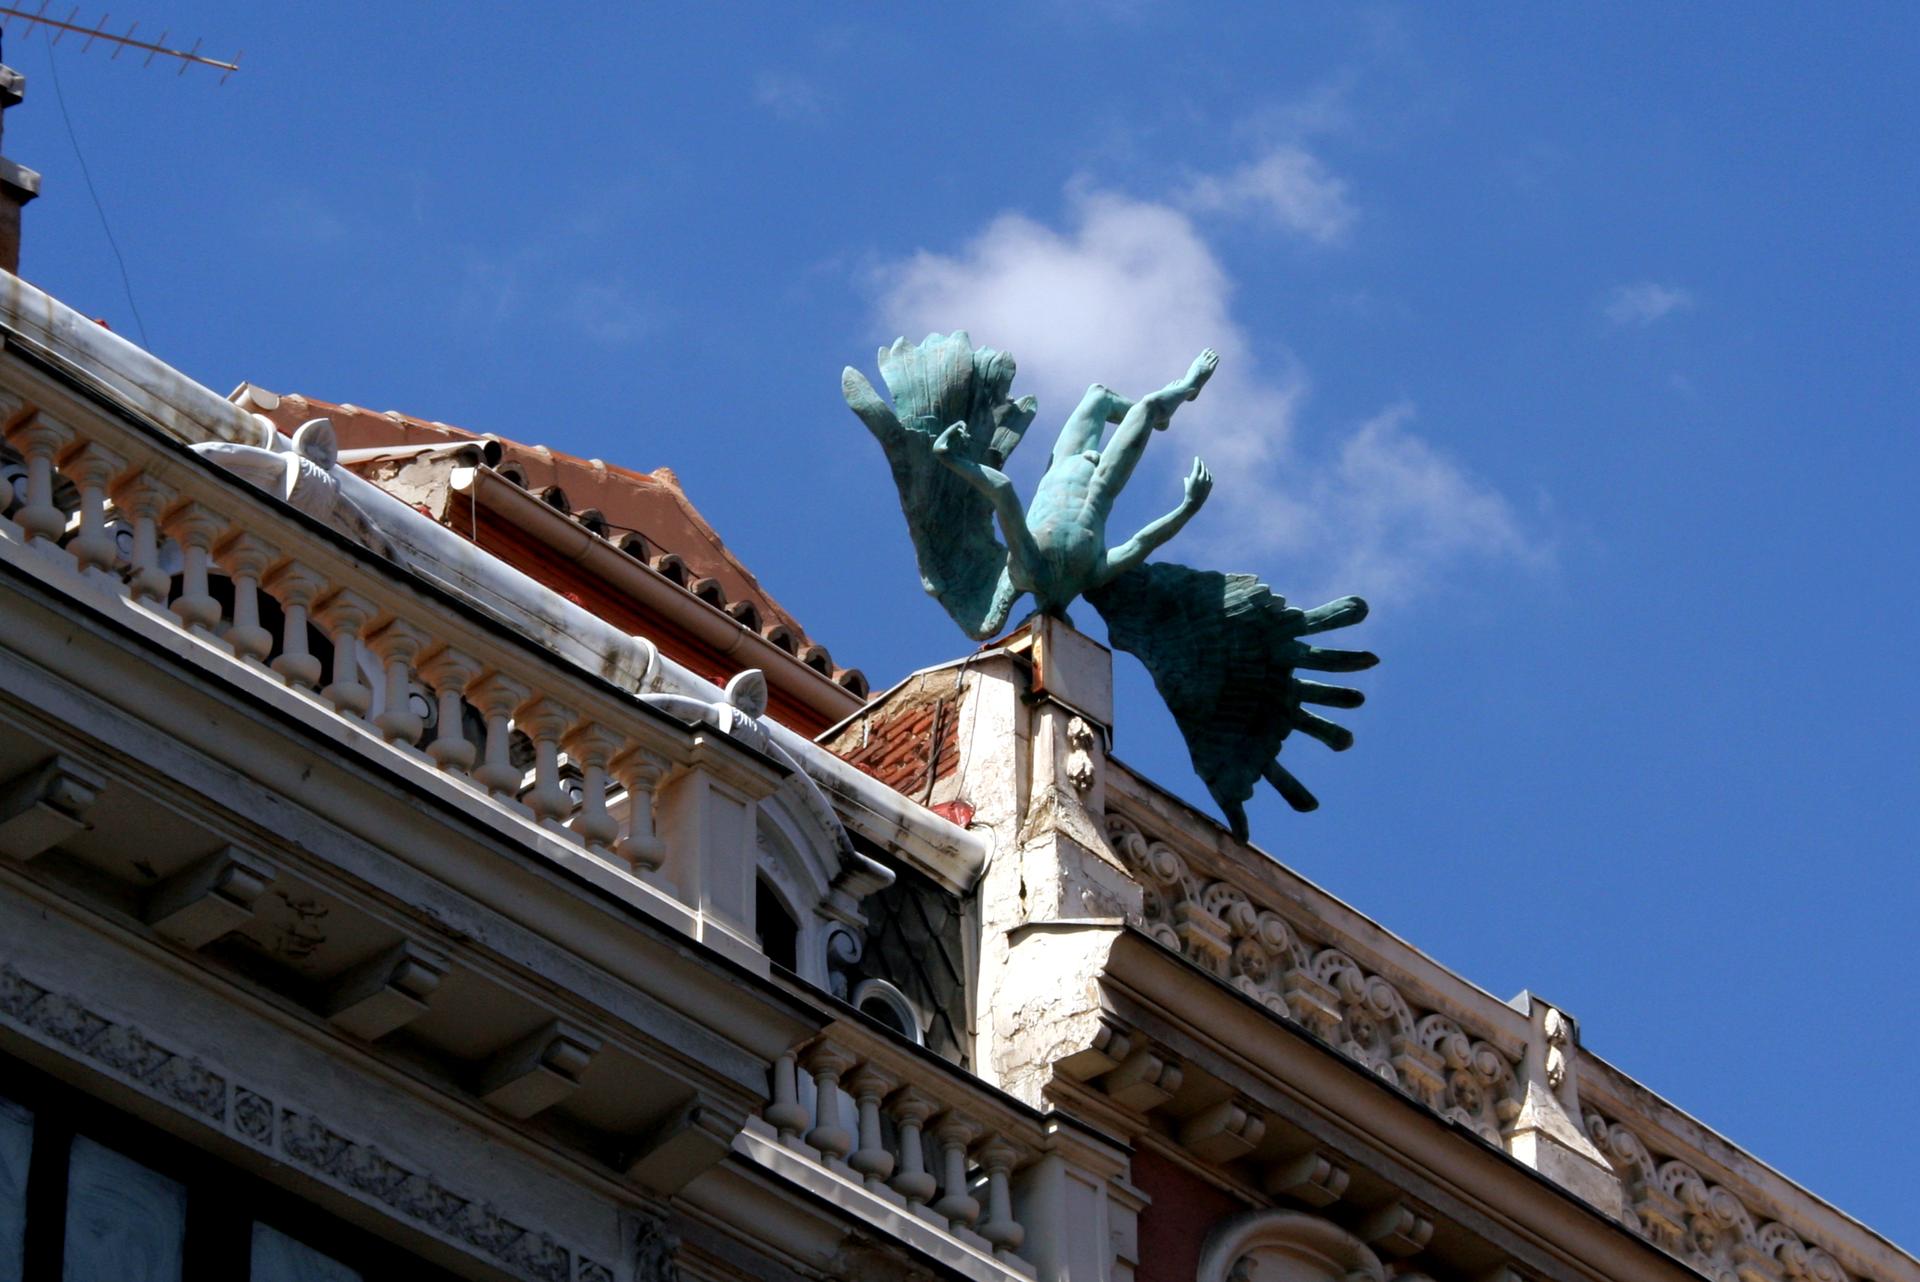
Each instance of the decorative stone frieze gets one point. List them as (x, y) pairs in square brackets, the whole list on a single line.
[(289, 1132), (1215, 925), (1706, 1225)]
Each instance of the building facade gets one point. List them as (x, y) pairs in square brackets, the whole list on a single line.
[(428, 856)]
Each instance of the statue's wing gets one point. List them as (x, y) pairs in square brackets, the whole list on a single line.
[(934, 384), (1223, 650), (1011, 419)]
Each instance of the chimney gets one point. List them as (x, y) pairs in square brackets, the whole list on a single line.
[(18, 184)]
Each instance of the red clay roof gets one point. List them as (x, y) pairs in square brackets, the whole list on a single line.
[(613, 501)]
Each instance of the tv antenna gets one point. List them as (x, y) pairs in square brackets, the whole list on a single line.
[(155, 49)]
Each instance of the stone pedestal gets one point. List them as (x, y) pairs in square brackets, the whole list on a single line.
[(1036, 719)]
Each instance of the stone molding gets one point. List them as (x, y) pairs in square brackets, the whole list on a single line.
[(286, 1131), (1285, 1246), (1312, 982), (1705, 1225)]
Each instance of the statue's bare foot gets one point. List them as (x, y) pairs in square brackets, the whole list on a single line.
[(1200, 371)]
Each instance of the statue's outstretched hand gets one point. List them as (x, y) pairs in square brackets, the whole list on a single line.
[(1199, 485)]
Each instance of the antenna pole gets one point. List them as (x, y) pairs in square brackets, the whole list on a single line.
[(155, 49)]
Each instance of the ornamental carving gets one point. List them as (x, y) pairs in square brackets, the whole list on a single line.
[(1707, 1226), (1218, 928), (304, 1142)]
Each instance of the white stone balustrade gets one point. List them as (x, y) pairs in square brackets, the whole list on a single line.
[(921, 1135), (245, 558), (297, 605), (295, 587), (141, 498), (92, 467), (38, 439)]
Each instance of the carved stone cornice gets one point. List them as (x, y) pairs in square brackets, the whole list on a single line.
[(1677, 1208), (1312, 981)]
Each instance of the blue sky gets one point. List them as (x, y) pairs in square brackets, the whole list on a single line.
[(1578, 341)]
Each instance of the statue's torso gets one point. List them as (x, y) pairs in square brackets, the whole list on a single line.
[(1069, 534)]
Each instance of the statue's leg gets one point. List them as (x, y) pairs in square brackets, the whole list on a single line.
[(1088, 422), (949, 448), (1150, 414)]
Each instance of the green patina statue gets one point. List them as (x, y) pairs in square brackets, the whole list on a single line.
[(1222, 648)]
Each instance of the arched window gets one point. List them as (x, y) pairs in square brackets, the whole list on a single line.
[(879, 1000), (779, 932), (1285, 1246)]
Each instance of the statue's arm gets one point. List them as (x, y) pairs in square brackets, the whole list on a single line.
[(873, 411), (1142, 545)]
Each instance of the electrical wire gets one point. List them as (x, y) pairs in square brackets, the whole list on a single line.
[(126, 282)]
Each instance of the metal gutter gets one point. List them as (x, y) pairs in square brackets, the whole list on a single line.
[(711, 627)]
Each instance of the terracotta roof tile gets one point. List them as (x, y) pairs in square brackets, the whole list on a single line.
[(645, 513)]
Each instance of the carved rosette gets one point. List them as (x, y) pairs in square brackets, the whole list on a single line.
[(1703, 1224), (1215, 925), (1163, 878)]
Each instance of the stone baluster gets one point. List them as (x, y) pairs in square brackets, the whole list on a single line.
[(910, 1110), (194, 526), (91, 467), (39, 439), (142, 499), (1000, 1228), (449, 671), (543, 720), (953, 1134), (295, 586), (497, 695), (640, 772), (245, 558), (784, 1112), (343, 615), (591, 746), (826, 1063), (871, 1159), (396, 644)]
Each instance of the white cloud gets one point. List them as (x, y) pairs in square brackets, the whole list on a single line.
[(301, 216), (1125, 293), (1130, 293), (608, 313), (1645, 302), (788, 96), (1288, 187), (1399, 510)]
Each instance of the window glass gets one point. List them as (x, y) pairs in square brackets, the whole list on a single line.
[(779, 933), (279, 1258), (124, 1221), (16, 1148)]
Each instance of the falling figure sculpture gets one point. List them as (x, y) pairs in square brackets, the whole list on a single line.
[(1222, 648), (1058, 549)]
